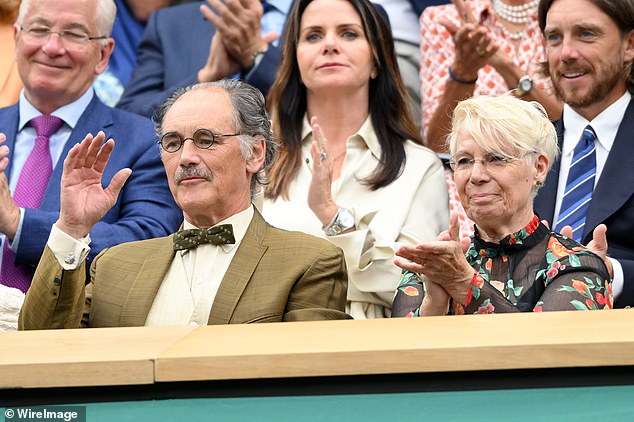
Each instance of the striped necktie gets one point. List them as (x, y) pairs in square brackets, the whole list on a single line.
[(579, 186)]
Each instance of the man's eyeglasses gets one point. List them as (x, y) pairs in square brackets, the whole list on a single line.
[(71, 36), (202, 138)]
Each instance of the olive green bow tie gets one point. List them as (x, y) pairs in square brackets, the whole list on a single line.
[(218, 235)]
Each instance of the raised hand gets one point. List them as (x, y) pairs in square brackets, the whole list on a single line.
[(4, 153), (219, 64), (9, 211), (239, 23), (598, 244), (83, 200), (320, 198), (474, 45), (442, 262)]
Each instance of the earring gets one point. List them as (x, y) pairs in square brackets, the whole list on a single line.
[(539, 184)]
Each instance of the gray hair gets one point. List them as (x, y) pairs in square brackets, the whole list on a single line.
[(105, 14), (250, 118), (506, 126)]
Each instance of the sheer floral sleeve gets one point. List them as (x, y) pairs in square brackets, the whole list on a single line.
[(531, 270)]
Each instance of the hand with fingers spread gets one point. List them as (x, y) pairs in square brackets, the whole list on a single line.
[(442, 262), (474, 43), (83, 200), (239, 23), (598, 244), (320, 198)]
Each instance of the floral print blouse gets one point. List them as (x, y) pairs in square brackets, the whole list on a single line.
[(534, 270)]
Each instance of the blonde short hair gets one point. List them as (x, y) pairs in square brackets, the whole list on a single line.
[(505, 125)]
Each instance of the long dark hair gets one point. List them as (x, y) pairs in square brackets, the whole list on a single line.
[(390, 113)]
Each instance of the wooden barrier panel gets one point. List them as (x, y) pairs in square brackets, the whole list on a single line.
[(143, 355), (436, 344), (83, 357)]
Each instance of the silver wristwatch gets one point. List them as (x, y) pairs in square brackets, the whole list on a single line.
[(524, 86), (342, 221)]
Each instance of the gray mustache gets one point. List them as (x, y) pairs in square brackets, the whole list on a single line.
[(187, 172)]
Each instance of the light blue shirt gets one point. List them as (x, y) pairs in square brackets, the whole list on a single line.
[(25, 141)]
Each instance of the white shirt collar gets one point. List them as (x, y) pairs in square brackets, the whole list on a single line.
[(239, 221), (605, 125), (69, 113), (365, 135)]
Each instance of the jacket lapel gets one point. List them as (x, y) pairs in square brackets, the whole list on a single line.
[(146, 285), (239, 272), (94, 118), (616, 183)]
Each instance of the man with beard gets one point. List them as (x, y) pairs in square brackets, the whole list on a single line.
[(589, 51), (227, 266)]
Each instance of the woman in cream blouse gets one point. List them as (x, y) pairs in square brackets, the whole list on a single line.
[(350, 166)]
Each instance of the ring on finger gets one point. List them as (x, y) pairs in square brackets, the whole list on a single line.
[(323, 156), (481, 51)]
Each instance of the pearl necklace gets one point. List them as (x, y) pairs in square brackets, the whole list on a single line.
[(515, 14)]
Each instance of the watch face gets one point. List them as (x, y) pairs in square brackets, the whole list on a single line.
[(525, 85), (346, 219)]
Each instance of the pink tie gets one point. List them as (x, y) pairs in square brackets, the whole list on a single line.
[(28, 194)]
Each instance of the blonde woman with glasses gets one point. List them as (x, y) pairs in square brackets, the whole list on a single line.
[(501, 150)]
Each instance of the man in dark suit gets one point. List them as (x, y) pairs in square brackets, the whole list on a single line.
[(191, 43), (227, 265), (589, 50), (61, 46)]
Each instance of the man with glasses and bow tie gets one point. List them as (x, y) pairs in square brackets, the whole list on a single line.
[(61, 47), (590, 51), (226, 265)]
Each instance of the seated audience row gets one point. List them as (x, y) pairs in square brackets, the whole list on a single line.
[(338, 105)]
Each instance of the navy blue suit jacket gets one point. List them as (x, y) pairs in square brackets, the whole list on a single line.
[(145, 207), (612, 201), (420, 5), (174, 48)]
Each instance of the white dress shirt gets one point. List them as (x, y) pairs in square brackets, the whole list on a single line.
[(605, 125), (192, 281)]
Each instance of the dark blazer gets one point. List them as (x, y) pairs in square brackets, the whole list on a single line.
[(612, 201), (175, 46), (420, 5), (275, 275), (145, 207)]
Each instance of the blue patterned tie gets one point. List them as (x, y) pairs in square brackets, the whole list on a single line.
[(579, 186)]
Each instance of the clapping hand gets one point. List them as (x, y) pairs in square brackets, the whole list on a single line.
[(320, 198), (83, 200), (474, 44), (442, 262), (9, 211), (598, 244), (239, 23)]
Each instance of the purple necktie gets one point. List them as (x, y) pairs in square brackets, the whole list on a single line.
[(28, 193)]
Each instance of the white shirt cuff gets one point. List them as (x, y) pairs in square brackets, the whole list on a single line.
[(68, 251), (617, 280), (13, 245)]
